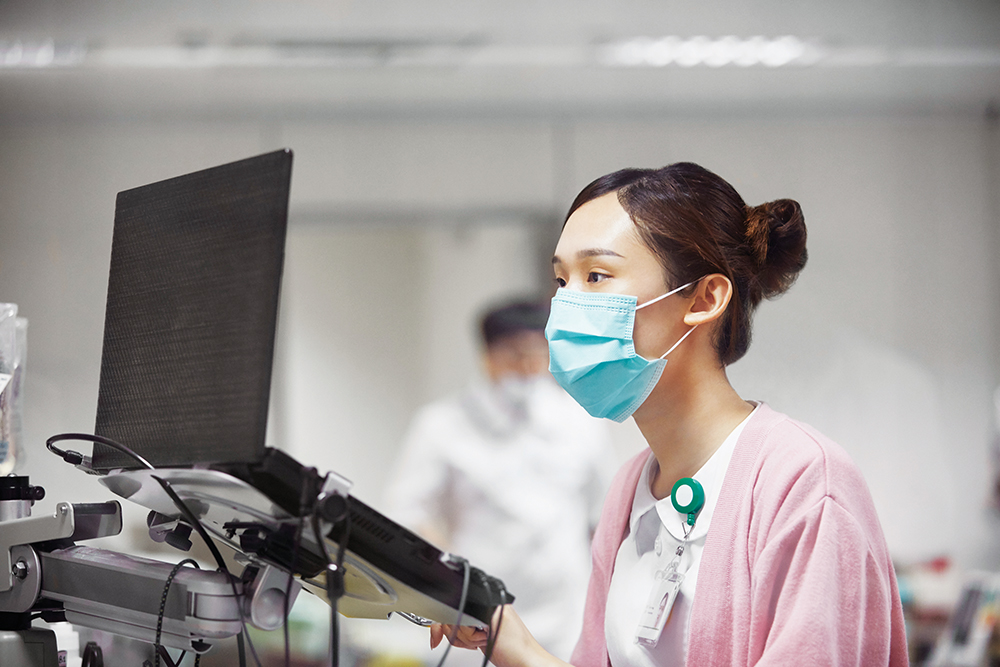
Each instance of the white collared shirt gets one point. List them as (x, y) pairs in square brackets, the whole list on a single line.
[(656, 529), (517, 495)]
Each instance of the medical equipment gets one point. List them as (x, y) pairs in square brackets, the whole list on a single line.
[(45, 573), (185, 377), (49, 575)]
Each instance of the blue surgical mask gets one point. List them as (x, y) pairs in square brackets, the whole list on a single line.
[(592, 354)]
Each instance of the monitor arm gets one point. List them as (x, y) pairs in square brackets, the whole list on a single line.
[(43, 571)]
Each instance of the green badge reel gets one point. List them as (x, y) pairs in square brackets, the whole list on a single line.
[(687, 497)]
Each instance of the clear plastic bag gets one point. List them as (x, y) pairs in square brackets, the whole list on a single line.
[(13, 351)]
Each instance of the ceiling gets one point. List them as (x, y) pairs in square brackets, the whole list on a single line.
[(294, 58)]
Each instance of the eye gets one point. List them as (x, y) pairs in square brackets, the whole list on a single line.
[(560, 282), (595, 277)]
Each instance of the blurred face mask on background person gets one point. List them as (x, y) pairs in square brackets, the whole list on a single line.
[(516, 390), (592, 355), (503, 406)]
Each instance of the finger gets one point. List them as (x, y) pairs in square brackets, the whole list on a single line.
[(469, 637), (437, 633)]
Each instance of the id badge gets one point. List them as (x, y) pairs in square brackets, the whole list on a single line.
[(658, 607), (668, 580)]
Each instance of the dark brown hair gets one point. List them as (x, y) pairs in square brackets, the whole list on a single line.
[(512, 318), (697, 224)]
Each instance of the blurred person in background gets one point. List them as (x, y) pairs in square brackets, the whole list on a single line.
[(510, 473)]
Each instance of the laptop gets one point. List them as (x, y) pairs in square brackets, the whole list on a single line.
[(192, 306)]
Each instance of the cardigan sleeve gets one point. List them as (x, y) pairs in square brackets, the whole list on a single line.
[(591, 649), (822, 596)]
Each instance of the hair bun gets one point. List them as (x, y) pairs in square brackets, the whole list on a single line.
[(776, 240)]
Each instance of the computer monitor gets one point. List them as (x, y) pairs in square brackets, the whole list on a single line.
[(192, 303)]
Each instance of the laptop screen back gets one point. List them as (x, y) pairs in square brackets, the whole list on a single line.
[(190, 322)]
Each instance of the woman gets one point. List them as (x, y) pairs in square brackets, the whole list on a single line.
[(771, 520)]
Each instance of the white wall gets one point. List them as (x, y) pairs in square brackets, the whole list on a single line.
[(401, 230), (376, 321)]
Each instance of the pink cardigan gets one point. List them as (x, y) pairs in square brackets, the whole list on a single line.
[(795, 569)]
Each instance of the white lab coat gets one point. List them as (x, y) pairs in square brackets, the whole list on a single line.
[(518, 492)]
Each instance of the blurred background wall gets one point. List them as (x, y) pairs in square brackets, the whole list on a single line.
[(436, 149)]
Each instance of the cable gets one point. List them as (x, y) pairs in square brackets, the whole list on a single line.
[(161, 652), (76, 458), (491, 640), (461, 607), (210, 543), (334, 575), (93, 656), (241, 651), (308, 490), (163, 606), (331, 598), (339, 582)]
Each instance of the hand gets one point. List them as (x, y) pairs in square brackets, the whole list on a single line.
[(514, 645), (466, 636)]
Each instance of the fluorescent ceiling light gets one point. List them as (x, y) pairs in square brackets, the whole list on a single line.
[(705, 51), (20, 54)]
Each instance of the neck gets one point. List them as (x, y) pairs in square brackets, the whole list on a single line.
[(685, 420)]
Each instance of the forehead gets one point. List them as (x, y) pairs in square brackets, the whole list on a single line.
[(520, 341), (600, 223)]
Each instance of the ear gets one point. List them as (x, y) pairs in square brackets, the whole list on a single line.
[(709, 301)]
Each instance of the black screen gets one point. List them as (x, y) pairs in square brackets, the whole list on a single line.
[(190, 322)]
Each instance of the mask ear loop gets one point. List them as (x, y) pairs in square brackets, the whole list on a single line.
[(674, 347), (664, 296)]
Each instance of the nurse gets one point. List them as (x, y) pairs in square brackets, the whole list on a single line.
[(741, 536)]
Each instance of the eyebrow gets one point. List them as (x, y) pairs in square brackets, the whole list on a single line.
[(591, 252)]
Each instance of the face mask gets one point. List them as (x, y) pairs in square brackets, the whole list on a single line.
[(592, 354), (515, 391), (503, 407)]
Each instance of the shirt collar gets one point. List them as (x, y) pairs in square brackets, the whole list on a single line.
[(710, 476)]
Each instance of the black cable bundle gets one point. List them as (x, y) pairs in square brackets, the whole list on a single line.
[(158, 648)]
